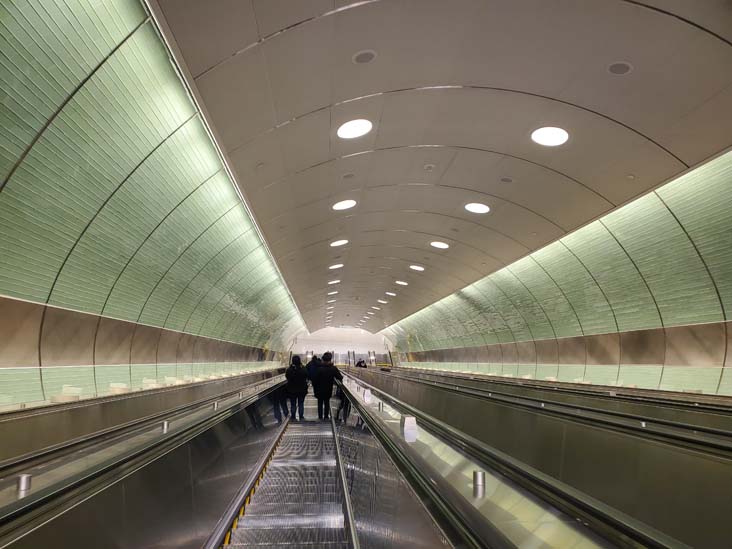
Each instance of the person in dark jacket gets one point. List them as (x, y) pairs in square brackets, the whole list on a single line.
[(312, 367), (297, 386), (325, 377)]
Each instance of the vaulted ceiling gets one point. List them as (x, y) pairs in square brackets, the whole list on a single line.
[(454, 91)]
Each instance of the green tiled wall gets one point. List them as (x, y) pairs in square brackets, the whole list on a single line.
[(113, 199), (660, 261)]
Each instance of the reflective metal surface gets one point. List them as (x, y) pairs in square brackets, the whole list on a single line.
[(172, 502), (387, 512), (637, 475), (523, 519), (28, 432), (298, 502)]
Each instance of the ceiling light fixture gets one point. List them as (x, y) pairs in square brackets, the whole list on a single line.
[(331, 301), (370, 312), (337, 243), (392, 294), (382, 301), (334, 292), (477, 208), (354, 128), (376, 308), (417, 268), (344, 205), (329, 307), (336, 266), (440, 245), (402, 283), (550, 136), (333, 281)]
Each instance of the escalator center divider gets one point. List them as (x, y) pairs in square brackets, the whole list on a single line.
[(242, 508)]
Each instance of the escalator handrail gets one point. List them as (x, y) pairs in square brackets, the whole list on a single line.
[(224, 524), (69, 445), (347, 505), (560, 494), (670, 399), (686, 432), (155, 448), (453, 518)]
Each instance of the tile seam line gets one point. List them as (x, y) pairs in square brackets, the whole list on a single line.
[(66, 101)]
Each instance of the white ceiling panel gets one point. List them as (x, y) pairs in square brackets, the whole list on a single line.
[(454, 91)]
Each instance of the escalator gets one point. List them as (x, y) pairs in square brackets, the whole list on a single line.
[(228, 474), (299, 500)]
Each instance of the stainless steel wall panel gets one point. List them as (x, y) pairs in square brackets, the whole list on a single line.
[(643, 347), (571, 350), (167, 350), (509, 353), (113, 341), (20, 323), (696, 345), (184, 352), (67, 338), (546, 351), (629, 472), (175, 500), (526, 352), (603, 349), (144, 348)]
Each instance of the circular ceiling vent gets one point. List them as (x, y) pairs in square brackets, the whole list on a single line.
[(620, 68), (364, 56)]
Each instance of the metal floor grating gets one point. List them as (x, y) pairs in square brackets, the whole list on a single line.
[(298, 502)]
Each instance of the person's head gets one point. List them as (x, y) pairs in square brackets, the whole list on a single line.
[(296, 360), (327, 357)]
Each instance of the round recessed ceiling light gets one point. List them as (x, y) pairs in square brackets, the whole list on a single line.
[(376, 308), (620, 68), (364, 56), (549, 136), (382, 301), (334, 292), (477, 208), (392, 294), (344, 204), (440, 245), (354, 128), (331, 301), (333, 281), (337, 243), (630, 177), (417, 268), (402, 283), (336, 266)]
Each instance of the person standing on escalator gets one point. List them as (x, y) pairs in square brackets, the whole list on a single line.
[(325, 377), (296, 387)]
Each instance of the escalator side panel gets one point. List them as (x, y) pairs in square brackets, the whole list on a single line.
[(176, 500)]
